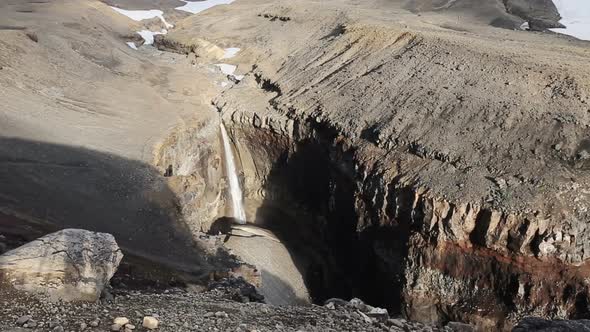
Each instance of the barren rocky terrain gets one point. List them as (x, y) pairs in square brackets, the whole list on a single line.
[(429, 157)]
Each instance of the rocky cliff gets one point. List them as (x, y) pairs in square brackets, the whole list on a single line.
[(440, 174)]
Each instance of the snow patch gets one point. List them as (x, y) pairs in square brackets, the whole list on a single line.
[(230, 52), (226, 69), (132, 45), (229, 70), (139, 15), (199, 6), (575, 17), (148, 36)]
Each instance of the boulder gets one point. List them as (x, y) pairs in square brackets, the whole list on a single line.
[(69, 265)]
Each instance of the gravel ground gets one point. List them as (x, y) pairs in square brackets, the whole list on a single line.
[(180, 310)]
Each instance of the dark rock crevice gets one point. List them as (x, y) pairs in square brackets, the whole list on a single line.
[(358, 231)]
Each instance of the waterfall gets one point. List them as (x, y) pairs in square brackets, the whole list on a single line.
[(235, 191)]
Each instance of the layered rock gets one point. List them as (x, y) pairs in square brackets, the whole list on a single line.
[(437, 174), (69, 265)]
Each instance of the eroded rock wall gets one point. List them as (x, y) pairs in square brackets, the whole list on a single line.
[(438, 261), (443, 175)]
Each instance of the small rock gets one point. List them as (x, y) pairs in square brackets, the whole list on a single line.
[(378, 313), (460, 327), (221, 314), (336, 302), (583, 155), (330, 306), (396, 322), (358, 304), (83, 326), (130, 326), (150, 322), (366, 318), (121, 321), (95, 323), (209, 314), (58, 329), (116, 327), (23, 319)]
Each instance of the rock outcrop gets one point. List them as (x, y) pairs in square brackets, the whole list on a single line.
[(69, 265), (439, 175)]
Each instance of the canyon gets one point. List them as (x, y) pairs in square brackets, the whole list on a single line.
[(428, 157)]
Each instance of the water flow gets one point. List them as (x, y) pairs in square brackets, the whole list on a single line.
[(234, 184)]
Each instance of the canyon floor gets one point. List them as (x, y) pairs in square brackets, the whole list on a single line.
[(430, 157)]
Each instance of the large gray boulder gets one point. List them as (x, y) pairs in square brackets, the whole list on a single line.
[(71, 265)]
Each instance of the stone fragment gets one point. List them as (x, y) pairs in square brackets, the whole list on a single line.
[(150, 322), (221, 314), (23, 319), (121, 321), (116, 327), (336, 302), (378, 313), (460, 327), (358, 304), (69, 265)]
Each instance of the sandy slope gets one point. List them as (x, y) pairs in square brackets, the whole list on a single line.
[(80, 114)]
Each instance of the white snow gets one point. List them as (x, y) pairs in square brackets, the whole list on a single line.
[(575, 16), (199, 6), (139, 15), (226, 69), (148, 36), (230, 52), (229, 70), (132, 45)]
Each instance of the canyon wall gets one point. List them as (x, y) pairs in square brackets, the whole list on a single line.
[(440, 174)]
